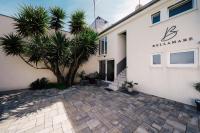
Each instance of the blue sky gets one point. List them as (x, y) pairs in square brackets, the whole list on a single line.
[(110, 10)]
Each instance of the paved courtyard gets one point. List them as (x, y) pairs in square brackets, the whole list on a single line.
[(92, 109)]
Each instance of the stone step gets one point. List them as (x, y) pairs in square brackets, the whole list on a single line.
[(122, 76), (120, 80), (122, 73), (119, 77), (113, 87)]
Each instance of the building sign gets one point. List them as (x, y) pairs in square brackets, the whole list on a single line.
[(169, 36)]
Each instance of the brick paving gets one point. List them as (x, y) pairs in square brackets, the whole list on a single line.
[(89, 109)]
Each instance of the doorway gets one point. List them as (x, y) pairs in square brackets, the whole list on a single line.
[(107, 70)]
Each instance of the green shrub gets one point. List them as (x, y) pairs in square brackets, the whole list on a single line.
[(197, 86), (39, 84), (43, 83)]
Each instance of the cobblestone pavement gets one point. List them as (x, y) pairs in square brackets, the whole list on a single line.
[(34, 112), (91, 109)]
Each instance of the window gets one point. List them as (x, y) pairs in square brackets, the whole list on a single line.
[(183, 58), (155, 18), (156, 60), (103, 46), (180, 7)]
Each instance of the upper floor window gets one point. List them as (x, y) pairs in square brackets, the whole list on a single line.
[(155, 18), (103, 46), (180, 7)]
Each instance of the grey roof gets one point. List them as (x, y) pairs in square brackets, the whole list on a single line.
[(130, 15)]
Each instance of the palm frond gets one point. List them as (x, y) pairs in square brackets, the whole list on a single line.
[(77, 22), (37, 49), (57, 18), (31, 21), (12, 44)]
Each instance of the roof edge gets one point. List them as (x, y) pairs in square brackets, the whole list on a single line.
[(130, 15), (6, 16)]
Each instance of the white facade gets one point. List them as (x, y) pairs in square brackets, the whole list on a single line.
[(143, 40)]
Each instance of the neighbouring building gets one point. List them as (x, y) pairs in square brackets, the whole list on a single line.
[(99, 24), (156, 46)]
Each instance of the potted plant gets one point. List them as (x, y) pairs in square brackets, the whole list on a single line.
[(197, 101), (83, 80), (129, 86)]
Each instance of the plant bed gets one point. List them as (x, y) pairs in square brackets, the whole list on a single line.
[(133, 93)]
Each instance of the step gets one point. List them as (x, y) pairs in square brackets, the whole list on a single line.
[(123, 75), (121, 80), (113, 87)]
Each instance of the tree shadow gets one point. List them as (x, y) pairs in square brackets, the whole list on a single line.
[(23, 102)]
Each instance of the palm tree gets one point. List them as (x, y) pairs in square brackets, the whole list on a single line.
[(57, 18), (83, 45), (54, 52), (31, 21)]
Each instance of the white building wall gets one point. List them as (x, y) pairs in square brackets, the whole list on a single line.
[(171, 83)]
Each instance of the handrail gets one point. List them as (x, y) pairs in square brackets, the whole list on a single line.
[(121, 66)]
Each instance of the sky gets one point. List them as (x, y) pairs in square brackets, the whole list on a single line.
[(110, 10)]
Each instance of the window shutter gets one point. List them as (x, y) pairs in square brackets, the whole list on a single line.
[(99, 47), (106, 45)]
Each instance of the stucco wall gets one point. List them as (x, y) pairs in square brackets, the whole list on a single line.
[(172, 83), (15, 74)]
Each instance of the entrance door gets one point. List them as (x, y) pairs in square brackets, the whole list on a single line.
[(106, 70), (110, 70), (102, 69)]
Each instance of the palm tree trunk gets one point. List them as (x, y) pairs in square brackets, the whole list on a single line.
[(74, 73), (60, 78), (71, 73)]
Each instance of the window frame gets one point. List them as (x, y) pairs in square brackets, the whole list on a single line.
[(156, 65), (155, 15), (105, 46), (183, 65), (177, 5)]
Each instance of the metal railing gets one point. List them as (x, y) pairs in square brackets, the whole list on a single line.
[(121, 66)]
